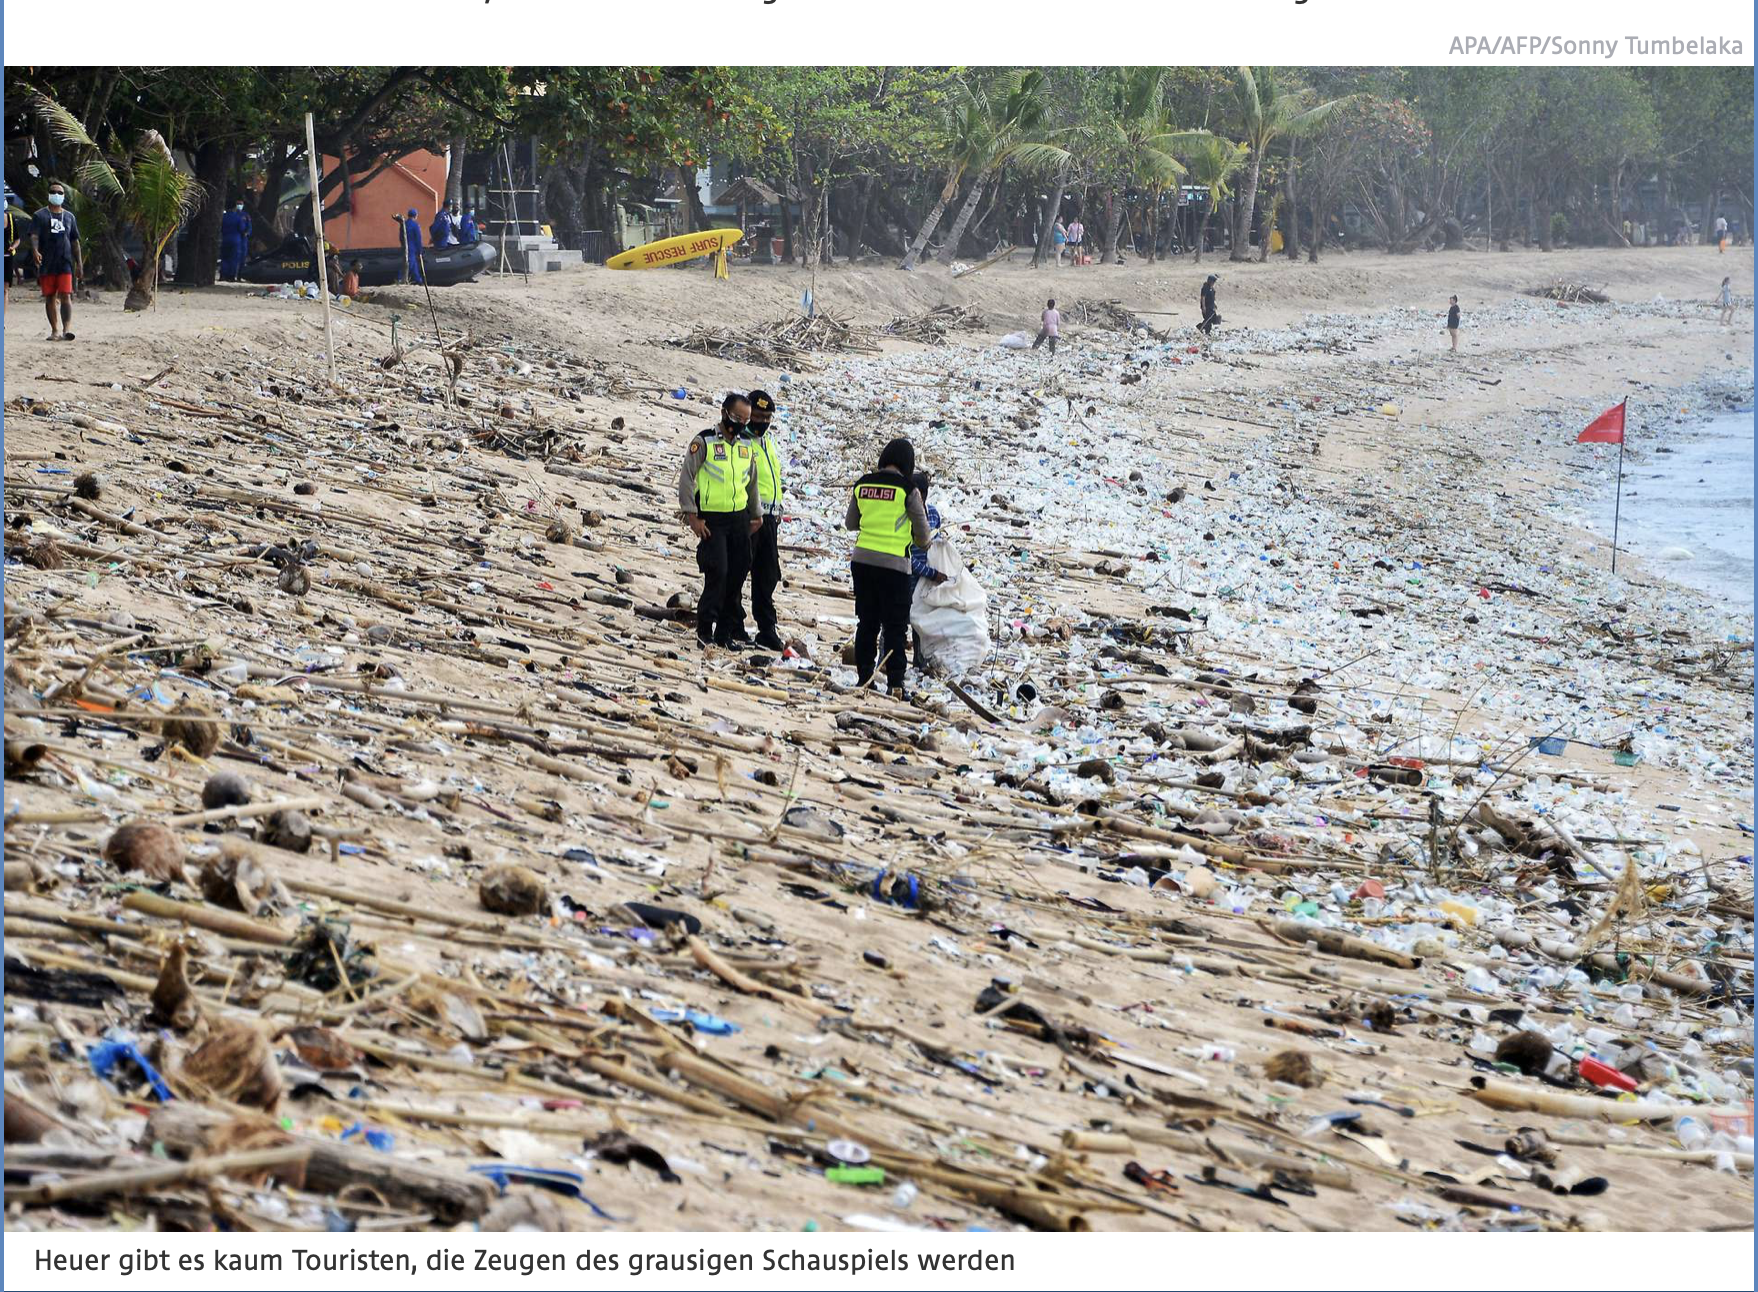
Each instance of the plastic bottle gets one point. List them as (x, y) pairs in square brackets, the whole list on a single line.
[(1691, 1131), (903, 1196)]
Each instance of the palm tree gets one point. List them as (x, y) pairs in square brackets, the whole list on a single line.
[(964, 141), (1011, 131), (1211, 163), (141, 186), (1266, 110), (1139, 137)]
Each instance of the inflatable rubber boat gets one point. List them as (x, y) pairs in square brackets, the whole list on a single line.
[(379, 266)]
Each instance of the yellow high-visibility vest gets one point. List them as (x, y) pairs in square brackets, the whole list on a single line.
[(723, 481), (885, 521)]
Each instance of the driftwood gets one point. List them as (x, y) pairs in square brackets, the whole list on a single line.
[(1337, 943), (1515, 1098), (449, 1195)]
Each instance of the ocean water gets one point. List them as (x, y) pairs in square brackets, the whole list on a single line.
[(1688, 513)]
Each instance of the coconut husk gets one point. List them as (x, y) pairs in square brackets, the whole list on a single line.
[(1295, 1067), (513, 890), (236, 1064), (224, 790), (147, 848), (288, 829), (174, 1004), (320, 1048), (192, 725), (242, 883)]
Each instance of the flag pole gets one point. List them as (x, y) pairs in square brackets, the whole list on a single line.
[(1618, 506)]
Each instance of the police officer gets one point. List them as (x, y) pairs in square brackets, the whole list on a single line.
[(766, 542), (717, 493), (889, 514)]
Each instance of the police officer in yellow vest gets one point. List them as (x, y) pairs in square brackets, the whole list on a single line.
[(890, 515), (717, 493), (766, 542)]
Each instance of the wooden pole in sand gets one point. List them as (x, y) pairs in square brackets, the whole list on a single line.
[(317, 228), (1618, 506)]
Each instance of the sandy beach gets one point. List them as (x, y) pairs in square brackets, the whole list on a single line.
[(1294, 609)]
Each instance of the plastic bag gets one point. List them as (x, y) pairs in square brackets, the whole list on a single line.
[(1017, 341), (951, 618)]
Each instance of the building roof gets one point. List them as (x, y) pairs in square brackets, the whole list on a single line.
[(748, 191)]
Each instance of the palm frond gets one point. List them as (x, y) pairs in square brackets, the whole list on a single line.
[(94, 175)]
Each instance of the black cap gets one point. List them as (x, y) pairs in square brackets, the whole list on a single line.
[(761, 402), (732, 398)]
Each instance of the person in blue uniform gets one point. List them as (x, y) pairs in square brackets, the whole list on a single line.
[(234, 242), (412, 245), (468, 232)]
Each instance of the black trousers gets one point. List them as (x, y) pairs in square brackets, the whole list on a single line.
[(724, 558), (1208, 322), (765, 572), (882, 606)]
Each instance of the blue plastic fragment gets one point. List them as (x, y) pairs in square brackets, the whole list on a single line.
[(383, 1141), (105, 1055), (711, 1024), (564, 1182)]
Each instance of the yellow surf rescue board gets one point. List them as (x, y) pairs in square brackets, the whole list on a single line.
[(686, 246)]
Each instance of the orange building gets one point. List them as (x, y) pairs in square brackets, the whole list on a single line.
[(416, 180)]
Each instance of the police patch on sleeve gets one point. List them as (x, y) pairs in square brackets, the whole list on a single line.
[(696, 445)]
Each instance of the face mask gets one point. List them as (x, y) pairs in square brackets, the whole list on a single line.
[(55, 199), (757, 428), (239, 207)]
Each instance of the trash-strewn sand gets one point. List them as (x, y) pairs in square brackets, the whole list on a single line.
[(504, 692)]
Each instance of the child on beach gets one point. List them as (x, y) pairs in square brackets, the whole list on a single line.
[(1050, 327), (1726, 301), (1453, 323)]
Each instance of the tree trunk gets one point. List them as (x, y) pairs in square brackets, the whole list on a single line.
[(1247, 203), (113, 257), (863, 208), (1114, 217), (455, 171), (693, 200), (932, 221), (949, 252), (1709, 216), (787, 227), (1051, 215), (1154, 229), (142, 290), (213, 167), (1317, 210), (1202, 228), (1291, 237)]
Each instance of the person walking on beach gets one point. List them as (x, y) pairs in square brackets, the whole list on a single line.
[(766, 541), (889, 514), (412, 247), (1721, 235), (717, 494), (59, 260), (1049, 327), (1059, 240), (1453, 323), (1726, 301), (1206, 303), (1077, 233)]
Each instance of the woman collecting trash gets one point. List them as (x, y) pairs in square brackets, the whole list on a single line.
[(889, 514)]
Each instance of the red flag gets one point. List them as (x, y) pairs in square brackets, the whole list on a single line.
[(1607, 428)]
